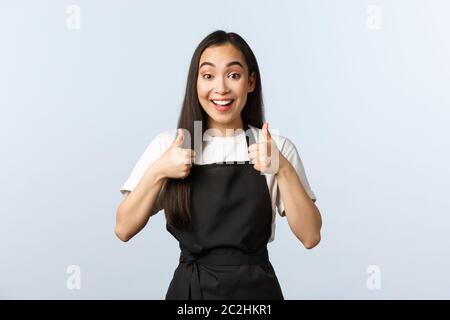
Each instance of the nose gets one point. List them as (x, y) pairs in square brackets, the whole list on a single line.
[(221, 86)]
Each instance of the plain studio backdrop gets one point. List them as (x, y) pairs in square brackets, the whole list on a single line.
[(360, 87)]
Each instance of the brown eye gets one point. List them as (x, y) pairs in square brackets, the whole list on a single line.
[(207, 76), (235, 76)]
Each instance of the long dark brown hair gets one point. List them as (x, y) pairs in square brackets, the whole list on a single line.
[(176, 193)]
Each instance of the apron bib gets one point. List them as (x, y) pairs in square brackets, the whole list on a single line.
[(224, 253)]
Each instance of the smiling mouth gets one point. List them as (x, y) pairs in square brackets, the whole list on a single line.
[(222, 103)]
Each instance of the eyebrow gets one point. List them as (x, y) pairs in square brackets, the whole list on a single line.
[(229, 64)]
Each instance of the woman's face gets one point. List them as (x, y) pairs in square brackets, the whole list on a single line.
[(223, 84)]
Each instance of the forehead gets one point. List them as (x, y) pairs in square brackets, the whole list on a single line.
[(222, 54)]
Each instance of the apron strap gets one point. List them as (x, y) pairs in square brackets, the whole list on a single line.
[(216, 258)]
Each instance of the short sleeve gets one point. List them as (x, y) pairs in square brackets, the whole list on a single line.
[(154, 151), (289, 151)]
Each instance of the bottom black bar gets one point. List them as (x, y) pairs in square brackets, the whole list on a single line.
[(291, 309)]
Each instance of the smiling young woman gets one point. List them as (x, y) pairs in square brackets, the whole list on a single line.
[(223, 85), (220, 199)]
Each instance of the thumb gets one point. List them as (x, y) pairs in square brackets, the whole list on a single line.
[(265, 131), (180, 138)]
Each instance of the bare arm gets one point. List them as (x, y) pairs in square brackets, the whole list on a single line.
[(302, 214), (134, 211)]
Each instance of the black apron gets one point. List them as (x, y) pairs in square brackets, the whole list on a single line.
[(224, 255)]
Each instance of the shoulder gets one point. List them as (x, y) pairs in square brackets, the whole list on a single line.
[(157, 146), (166, 136), (161, 141)]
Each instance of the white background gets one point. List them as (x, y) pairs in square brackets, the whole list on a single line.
[(362, 91)]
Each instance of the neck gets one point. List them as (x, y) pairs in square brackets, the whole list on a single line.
[(222, 128)]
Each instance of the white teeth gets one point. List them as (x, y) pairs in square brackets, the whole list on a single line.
[(222, 102)]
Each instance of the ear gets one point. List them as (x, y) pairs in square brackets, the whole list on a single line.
[(251, 82)]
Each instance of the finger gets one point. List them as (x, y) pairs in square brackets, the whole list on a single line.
[(267, 138), (256, 146), (192, 153), (185, 174), (264, 160), (180, 138), (253, 147), (261, 149), (253, 155), (187, 152), (265, 130), (187, 160)]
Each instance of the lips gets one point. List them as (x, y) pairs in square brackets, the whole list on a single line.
[(222, 102), (222, 105)]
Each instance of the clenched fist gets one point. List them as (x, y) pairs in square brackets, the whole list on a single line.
[(176, 162), (265, 155)]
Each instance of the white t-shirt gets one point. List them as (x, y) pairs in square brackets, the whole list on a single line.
[(220, 149)]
